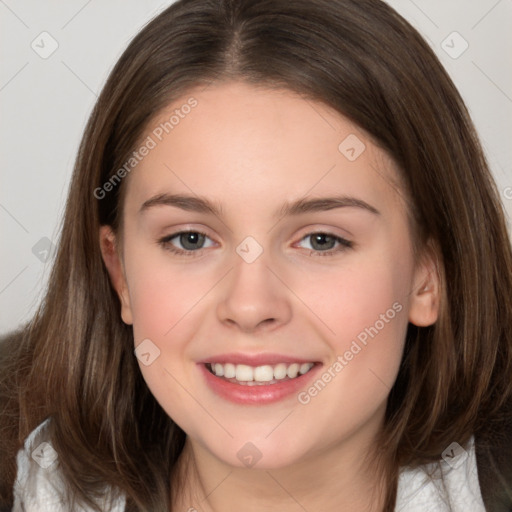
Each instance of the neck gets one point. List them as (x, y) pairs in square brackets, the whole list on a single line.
[(332, 479)]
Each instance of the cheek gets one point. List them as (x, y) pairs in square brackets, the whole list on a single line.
[(161, 295), (355, 298), (365, 310), (164, 309), (368, 313), (168, 305)]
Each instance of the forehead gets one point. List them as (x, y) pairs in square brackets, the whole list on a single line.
[(243, 145)]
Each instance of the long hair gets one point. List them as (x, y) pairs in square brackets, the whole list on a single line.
[(74, 361)]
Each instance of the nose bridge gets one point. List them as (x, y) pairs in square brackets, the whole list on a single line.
[(253, 295), (253, 274)]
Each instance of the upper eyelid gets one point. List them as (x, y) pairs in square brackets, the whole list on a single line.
[(186, 230), (327, 231)]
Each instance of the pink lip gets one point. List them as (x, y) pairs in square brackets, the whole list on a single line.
[(255, 359), (259, 394)]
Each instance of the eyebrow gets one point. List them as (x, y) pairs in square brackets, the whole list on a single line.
[(301, 206)]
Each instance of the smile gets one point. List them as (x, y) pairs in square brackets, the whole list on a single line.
[(259, 375), (257, 379)]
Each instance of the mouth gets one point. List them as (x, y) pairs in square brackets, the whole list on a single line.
[(257, 383)]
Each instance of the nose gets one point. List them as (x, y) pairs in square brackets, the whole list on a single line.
[(254, 299)]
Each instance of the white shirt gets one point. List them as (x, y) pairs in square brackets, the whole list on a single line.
[(452, 487)]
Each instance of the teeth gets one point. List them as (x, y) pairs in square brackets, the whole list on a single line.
[(263, 373), (229, 370), (280, 371), (293, 370), (244, 372), (266, 373), (304, 368)]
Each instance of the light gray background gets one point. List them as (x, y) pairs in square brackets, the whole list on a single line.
[(45, 104)]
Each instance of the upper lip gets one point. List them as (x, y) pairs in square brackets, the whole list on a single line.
[(255, 359)]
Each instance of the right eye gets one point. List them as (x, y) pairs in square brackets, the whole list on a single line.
[(189, 242)]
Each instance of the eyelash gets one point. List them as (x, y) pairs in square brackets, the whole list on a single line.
[(344, 244)]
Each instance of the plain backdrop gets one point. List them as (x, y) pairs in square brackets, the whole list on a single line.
[(45, 101)]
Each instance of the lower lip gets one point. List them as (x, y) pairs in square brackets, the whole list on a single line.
[(257, 394)]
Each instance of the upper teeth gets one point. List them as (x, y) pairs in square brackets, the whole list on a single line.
[(265, 373)]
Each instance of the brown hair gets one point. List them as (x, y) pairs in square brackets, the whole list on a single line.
[(74, 361)]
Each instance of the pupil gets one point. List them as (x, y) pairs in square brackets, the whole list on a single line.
[(189, 240), (322, 241)]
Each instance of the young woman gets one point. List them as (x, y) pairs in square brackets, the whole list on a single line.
[(283, 281)]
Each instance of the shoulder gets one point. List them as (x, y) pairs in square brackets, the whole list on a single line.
[(494, 455), (451, 484), (39, 485)]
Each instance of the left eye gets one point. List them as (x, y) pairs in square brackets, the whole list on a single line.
[(325, 242)]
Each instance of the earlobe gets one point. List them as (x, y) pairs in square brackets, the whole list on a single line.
[(425, 294), (114, 264)]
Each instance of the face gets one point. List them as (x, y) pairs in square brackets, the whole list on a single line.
[(267, 268)]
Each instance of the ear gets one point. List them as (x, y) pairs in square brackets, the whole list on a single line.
[(115, 268), (426, 291)]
